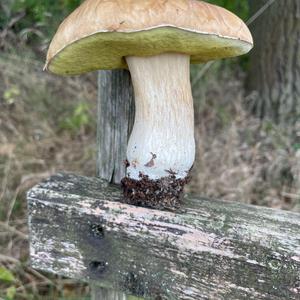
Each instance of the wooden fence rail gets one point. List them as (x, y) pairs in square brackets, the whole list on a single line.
[(207, 250)]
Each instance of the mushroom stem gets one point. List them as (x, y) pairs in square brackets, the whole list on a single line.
[(162, 140)]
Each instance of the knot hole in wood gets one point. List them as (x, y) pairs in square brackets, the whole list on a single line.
[(97, 230), (98, 267)]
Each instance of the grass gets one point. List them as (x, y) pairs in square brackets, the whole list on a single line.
[(35, 142), (47, 124), (239, 157)]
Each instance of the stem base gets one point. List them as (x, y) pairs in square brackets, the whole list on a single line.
[(164, 193)]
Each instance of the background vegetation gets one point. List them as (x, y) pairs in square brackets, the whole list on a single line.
[(47, 124)]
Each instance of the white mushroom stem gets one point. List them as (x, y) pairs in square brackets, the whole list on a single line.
[(162, 141)]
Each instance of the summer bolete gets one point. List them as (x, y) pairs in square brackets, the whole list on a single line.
[(156, 40)]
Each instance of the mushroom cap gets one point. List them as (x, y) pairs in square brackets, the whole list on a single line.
[(100, 33)]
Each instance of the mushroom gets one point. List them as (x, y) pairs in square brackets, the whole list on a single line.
[(156, 40)]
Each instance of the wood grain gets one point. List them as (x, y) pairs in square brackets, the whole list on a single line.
[(207, 250), (115, 120)]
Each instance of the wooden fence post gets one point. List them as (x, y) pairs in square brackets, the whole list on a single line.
[(114, 123)]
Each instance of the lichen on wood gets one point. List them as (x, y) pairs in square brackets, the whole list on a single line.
[(206, 250)]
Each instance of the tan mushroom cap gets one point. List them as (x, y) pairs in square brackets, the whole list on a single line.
[(100, 33)]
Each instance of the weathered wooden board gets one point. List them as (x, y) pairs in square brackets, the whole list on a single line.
[(114, 119), (207, 250)]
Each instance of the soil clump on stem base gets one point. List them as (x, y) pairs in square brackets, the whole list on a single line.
[(165, 193)]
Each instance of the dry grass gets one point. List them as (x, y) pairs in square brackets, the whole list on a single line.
[(240, 158), (45, 127), (35, 142)]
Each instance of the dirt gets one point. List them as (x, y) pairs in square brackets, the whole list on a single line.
[(164, 194)]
